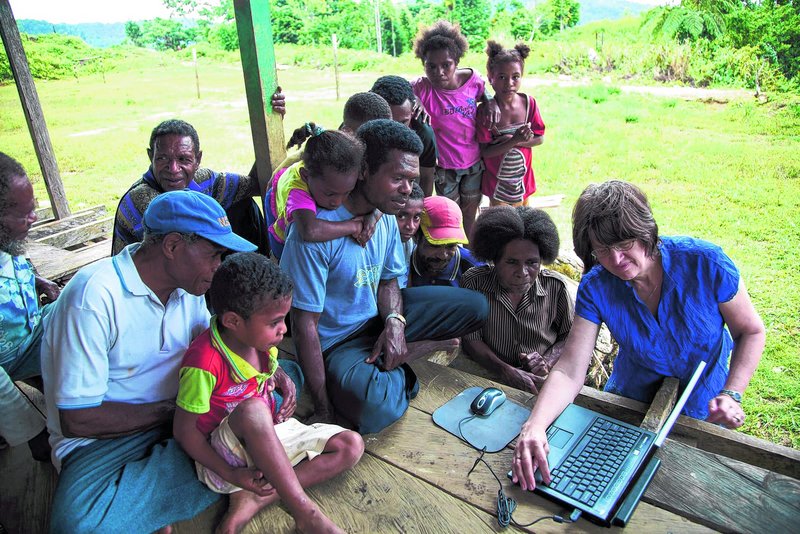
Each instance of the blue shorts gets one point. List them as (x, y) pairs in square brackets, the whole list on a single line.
[(371, 398)]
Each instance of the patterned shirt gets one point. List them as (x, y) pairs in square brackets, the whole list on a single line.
[(19, 305), (542, 318), (225, 188), (214, 380)]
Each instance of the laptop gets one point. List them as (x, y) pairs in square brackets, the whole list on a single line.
[(601, 465)]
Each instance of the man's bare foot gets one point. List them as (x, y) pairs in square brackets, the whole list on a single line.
[(243, 506), (165, 530)]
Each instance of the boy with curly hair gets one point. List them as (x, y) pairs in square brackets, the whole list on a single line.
[(227, 418)]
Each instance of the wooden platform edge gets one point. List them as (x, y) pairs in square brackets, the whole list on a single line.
[(708, 437)]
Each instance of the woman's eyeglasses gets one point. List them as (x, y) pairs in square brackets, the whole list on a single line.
[(622, 246)]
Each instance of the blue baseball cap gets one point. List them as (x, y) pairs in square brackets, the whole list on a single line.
[(191, 212)]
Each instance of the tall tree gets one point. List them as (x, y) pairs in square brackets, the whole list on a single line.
[(474, 17)]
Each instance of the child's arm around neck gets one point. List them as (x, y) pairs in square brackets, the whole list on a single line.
[(317, 230)]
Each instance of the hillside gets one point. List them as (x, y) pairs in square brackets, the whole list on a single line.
[(95, 34)]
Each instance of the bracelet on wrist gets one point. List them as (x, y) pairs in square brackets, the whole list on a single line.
[(397, 316)]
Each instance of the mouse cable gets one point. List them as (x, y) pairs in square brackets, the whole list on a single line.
[(506, 505), (462, 436)]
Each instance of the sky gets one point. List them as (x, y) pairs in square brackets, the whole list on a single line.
[(75, 11)]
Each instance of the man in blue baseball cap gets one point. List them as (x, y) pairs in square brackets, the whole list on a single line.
[(111, 353)]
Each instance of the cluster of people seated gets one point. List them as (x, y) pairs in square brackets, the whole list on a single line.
[(156, 407)]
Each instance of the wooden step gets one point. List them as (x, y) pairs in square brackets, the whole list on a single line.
[(80, 227)]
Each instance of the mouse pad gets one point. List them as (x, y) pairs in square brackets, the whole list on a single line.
[(494, 431)]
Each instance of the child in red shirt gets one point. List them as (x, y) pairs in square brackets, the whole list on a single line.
[(226, 417), (506, 148)]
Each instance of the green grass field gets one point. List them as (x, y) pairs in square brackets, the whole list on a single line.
[(728, 173)]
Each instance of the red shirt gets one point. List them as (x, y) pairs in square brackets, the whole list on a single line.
[(214, 380)]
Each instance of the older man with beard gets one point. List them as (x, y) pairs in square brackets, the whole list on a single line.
[(20, 313)]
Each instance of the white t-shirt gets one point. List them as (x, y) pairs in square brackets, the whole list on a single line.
[(109, 338)]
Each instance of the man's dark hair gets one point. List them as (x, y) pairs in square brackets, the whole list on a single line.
[(499, 225), (244, 282), (394, 89), (441, 36), (382, 135), (175, 127), (363, 107), (9, 168), (416, 192)]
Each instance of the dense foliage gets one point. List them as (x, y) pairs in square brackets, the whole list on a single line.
[(751, 43)]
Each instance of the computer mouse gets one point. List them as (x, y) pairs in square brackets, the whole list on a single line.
[(487, 401)]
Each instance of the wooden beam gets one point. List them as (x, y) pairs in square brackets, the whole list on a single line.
[(709, 437), (56, 263), (662, 404), (81, 227), (33, 110), (260, 81)]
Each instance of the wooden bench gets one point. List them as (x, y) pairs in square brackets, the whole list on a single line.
[(57, 248)]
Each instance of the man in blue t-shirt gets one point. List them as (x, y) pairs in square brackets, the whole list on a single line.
[(354, 329), (439, 259)]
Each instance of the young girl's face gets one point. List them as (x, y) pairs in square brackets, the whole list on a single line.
[(506, 78), (330, 188), (440, 68)]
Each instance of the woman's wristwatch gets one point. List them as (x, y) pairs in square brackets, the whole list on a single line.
[(735, 395)]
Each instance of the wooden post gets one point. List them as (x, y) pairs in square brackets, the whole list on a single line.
[(196, 74), (260, 81), (33, 110), (335, 42)]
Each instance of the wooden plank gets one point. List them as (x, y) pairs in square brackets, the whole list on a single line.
[(55, 263), (374, 496), (41, 231), (723, 493), (548, 201), (79, 234), (27, 485), (662, 404), (707, 436), (260, 81), (416, 445), (32, 109)]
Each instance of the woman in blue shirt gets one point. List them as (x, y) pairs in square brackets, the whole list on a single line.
[(666, 300)]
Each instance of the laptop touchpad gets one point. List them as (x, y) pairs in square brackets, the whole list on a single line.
[(559, 438)]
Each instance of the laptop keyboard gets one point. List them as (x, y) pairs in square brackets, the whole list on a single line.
[(588, 470)]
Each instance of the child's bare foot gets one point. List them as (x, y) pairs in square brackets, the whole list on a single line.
[(243, 506), (315, 521)]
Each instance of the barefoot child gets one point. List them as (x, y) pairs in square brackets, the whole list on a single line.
[(451, 95), (226, 417), (327, 173), (506, 150)]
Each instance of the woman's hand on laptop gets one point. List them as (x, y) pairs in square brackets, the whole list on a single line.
[(530, 455)]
